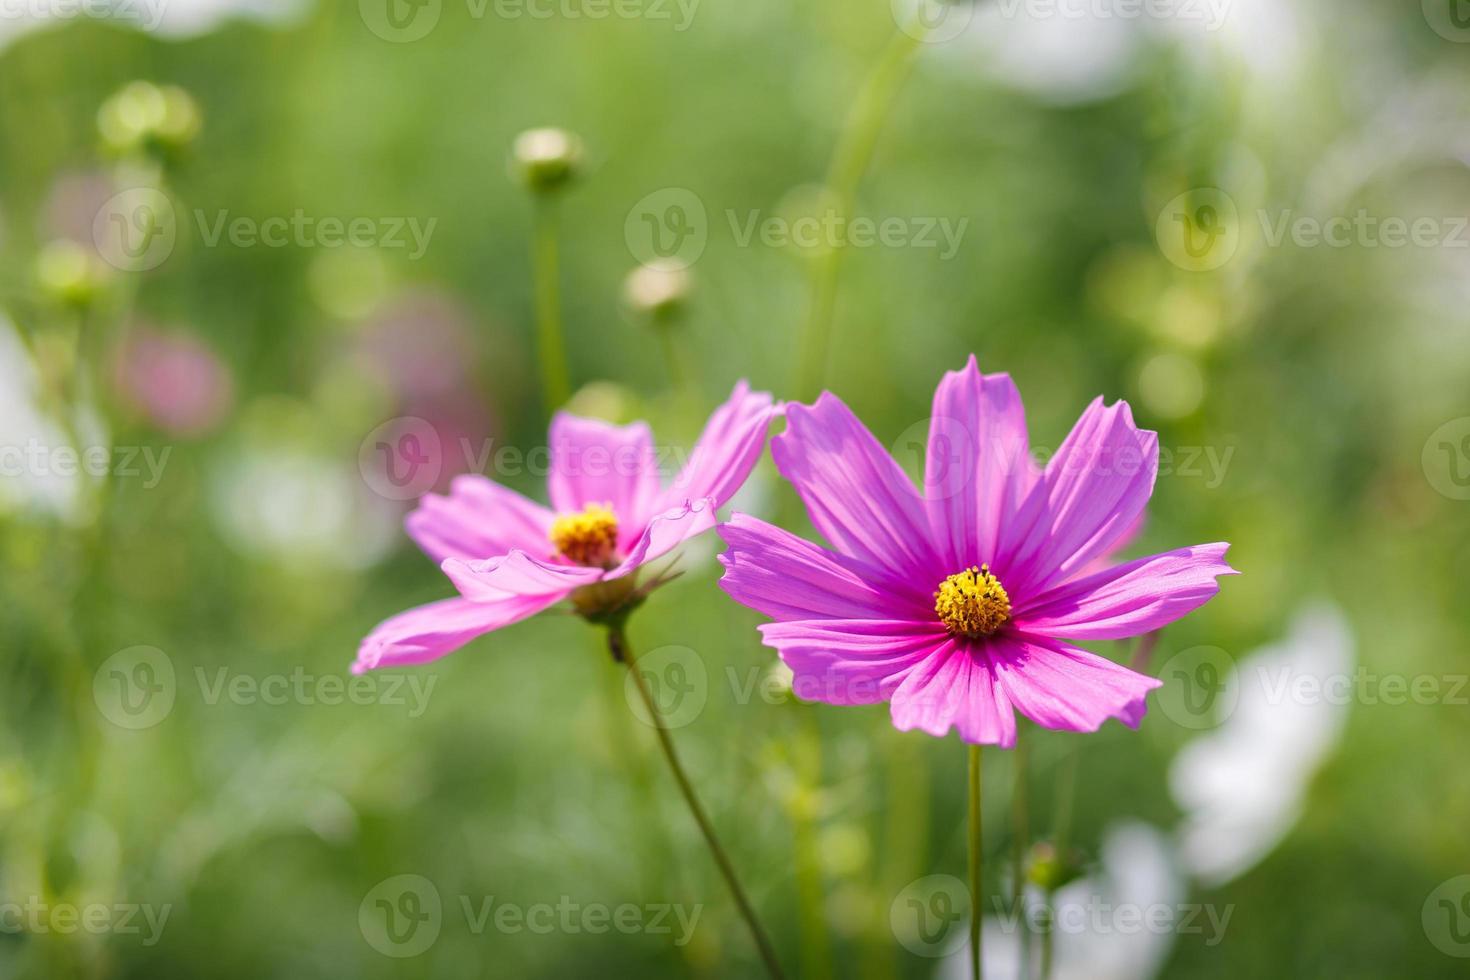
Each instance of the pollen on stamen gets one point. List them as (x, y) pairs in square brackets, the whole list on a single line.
[(586, 537), (972, 603)]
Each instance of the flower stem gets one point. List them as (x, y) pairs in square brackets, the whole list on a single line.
[(977, 837), (618, 643), (551, 349), (849, 161)]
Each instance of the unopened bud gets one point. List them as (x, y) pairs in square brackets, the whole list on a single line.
[(546, 160)]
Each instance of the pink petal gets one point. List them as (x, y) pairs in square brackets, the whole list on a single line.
[(1090, 493), (855, 493), (839, 661), (1129, 599), (1062, 687), (978, 466), (955, 688), (788, 578), (515, 574), (479, 518), (429, 632), (666, 532), (726, 452), (596, 462)]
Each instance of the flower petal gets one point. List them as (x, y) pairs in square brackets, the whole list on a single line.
[(978, 466), (956, 688), (789, 578), (1089, 495), (842, 661), (855, 493), (667, 531), (515, 574), (429, 632), (727, 450), (1059, 686), (1129, 599), (479, 518), (596, 462)]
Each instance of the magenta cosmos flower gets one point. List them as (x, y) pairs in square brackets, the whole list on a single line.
[(960, 604), (610, 514)]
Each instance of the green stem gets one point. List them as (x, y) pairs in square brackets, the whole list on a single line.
[(977, 837), (849, 162), (556, 387), (621, 651)]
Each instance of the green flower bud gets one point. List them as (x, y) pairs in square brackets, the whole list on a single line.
[(148, 119), (658, 289), (1049, 870), (69, 273), (546, 160)]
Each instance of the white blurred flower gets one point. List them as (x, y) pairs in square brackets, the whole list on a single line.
[(1241, 786), (289, 505)]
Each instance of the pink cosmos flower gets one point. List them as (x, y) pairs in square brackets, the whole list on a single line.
[(960, 604), (610, 514)]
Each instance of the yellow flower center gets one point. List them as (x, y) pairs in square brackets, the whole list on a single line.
[(588, 537), (972, 603)]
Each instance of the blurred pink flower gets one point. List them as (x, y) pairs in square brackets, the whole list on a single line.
[(610, 514), (174, 380), (958, 605)]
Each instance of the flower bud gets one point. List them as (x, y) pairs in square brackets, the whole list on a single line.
[(658, 289), (546, 160), (69, 273), (1049, 870), (148, 119)]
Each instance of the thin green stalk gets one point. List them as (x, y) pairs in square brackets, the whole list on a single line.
[(621, 651), (849, 162), (977, 838), (556, 387)]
